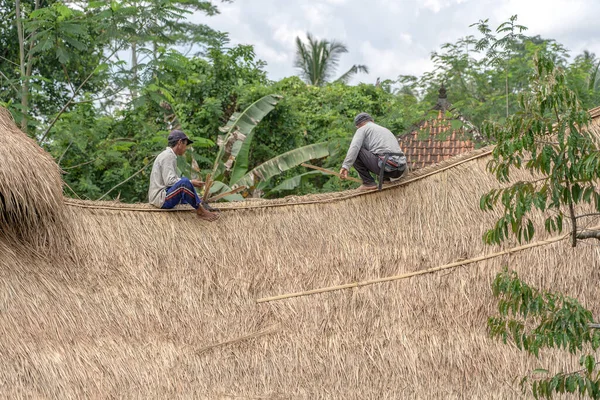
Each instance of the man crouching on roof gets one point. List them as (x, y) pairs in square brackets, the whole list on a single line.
[(167, 189), (370, 144)]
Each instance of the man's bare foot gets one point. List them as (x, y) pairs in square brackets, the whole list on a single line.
[(367, 187), (206, 215), (211, 209)]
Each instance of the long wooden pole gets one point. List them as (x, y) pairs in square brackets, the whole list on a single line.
[(416, 273), (220, 196), (208, 182), (330, 172)]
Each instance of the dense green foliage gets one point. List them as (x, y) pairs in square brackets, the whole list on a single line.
[(485, 72), (104, 118), (548, 137), (534, 320)]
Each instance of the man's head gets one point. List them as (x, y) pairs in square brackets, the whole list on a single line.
[(362, 119), (178, 141)]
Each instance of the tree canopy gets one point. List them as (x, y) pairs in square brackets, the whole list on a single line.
[(100, 84)]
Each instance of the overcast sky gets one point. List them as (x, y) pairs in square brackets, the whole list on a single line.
[(394, 37)]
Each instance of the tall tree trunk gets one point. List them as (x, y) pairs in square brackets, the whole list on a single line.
[(134, 59), (24, 87), (134, 66), (155, 57), (25, 67), (506, 89)]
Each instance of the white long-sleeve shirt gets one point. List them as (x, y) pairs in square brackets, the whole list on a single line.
[(163, 175), (375, 138)]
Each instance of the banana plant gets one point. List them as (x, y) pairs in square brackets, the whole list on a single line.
[(230, 169), (259, 176), (239, 128)]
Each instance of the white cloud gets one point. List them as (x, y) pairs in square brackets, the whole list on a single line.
[(406, 38), (316, 14), (438, 5), (394, 37), (286, 35), (389, 63)]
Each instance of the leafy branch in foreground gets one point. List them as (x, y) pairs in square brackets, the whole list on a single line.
[(550, 137), (534, 320)]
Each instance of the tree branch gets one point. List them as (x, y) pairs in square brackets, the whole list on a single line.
[(99, 98), (116, 186), (80, 165), (62, 110), (588, 235), (588, 215), (74, 192), (9, 82), (574, 236), (64, 152)]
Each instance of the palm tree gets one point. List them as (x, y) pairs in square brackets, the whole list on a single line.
[(593, 78), (318, 60)]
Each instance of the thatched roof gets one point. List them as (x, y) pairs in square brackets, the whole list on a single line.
[(151, 304), (434, 139), (31, 201)]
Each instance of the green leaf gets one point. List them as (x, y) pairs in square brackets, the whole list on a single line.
[(295, 181), (590, 363), (284, 162), (456, 124), (220, 187), (242, 124)]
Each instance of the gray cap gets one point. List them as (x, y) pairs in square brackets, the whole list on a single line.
[(362, 117), (176, 135)]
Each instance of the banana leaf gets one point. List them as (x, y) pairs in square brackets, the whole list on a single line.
[(236, 131), (219, 187), (295, 181), (283, 162)]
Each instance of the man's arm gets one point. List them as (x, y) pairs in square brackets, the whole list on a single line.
[(169, 172), (357, 142)]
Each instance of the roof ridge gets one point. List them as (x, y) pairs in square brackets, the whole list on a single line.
[(295, 200)]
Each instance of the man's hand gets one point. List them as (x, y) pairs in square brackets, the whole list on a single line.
[(197, 183), (343, 173)]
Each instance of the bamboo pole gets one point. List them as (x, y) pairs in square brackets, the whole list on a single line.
[(416, 273), (267, 331), (208, 182), (330, 172), (220, 196)]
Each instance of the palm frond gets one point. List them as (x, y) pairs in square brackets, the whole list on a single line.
[(317, 60), (348, 75)]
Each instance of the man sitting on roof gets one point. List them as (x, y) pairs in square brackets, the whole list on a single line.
[(367, 152), (167, 189)]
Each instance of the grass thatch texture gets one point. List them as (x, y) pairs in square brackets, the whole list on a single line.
[(162, 305), (31, 201), (152, 304)]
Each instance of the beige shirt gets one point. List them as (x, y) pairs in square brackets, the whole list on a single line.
[(163, 175)]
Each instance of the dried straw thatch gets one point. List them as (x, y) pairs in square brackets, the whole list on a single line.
[(31, 201), (161, 305)]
